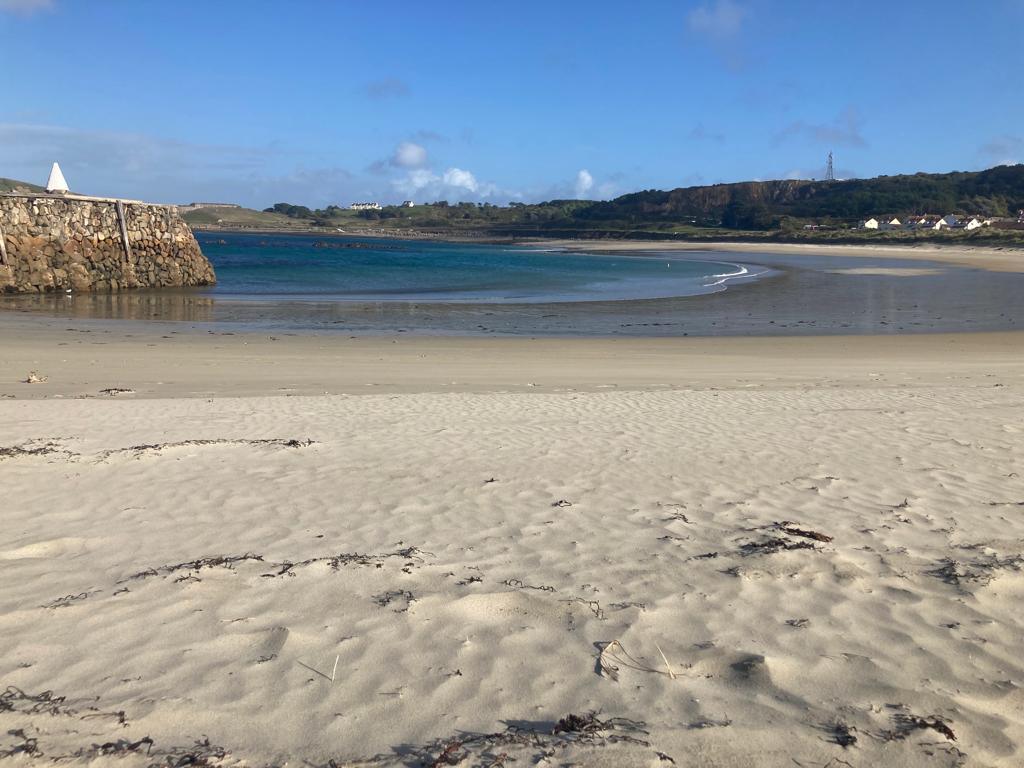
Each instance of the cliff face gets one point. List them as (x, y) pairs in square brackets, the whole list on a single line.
[(57, 243)]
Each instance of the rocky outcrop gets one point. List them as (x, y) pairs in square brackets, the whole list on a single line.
[(56, 243)]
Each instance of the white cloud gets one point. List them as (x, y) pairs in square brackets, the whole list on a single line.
[(417, 180), (454, 183), (719, 20), (409, 155), (460, 179), (584, 183)]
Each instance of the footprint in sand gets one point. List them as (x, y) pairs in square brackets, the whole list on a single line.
[(271, 644)]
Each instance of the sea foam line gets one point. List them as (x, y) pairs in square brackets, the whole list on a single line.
[(741, 271)]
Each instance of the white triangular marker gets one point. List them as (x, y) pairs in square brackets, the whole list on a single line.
[(56, 182)]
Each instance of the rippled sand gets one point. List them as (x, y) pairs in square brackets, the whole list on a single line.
[(754, 571)]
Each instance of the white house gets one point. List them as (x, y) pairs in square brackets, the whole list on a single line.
[(408, 204), (871, 223), (892, 223), (946, 221), (973, 223)]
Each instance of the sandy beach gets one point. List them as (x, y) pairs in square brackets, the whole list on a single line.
[(534, 385), (980, 257), (423, 551)]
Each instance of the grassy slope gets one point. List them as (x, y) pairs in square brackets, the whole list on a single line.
[(241, 218), (9, 185)]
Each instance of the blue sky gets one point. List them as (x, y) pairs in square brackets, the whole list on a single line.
[(332, 102)]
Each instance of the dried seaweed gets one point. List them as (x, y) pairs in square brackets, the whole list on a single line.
[(904, 724), (705, 556), (14, 451), (139, 450), (537, 739), (842, 734), (13, 699), (772, 545), (202, 754), (29, 745), (676, 517), (792, 530), (64, 602), (120, 747), (593, 605), (708, 723), (587, 723), (519, 584), (978, 571), (412, 555), (385, 599), (217, 561), (450, 755)]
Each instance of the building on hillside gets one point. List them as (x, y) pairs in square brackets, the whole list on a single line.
[(871, 223), (973, 222), (946, 221), (888, 224), (408, 204), (365, 207)]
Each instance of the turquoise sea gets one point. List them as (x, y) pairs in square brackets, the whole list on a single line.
[(361, 286), (318, 268)]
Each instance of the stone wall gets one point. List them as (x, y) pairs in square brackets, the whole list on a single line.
[(56, 243)]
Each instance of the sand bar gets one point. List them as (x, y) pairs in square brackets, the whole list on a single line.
[(979, 257)]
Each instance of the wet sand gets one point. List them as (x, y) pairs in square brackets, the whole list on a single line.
[(82, 360)]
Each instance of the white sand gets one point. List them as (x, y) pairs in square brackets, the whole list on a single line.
[(503, 538)]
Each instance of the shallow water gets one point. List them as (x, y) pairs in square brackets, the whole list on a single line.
[(263, 267), (806, 294)]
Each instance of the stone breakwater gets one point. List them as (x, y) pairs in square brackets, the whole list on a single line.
[(56, 243)]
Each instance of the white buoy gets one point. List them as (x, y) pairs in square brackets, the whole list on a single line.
[(56, 182)]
